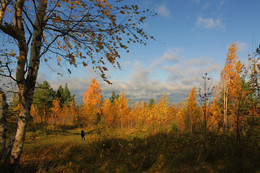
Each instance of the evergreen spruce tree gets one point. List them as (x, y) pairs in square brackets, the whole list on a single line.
[(43, 97), (64, 95)]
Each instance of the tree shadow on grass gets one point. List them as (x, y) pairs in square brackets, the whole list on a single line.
[(155, 153)]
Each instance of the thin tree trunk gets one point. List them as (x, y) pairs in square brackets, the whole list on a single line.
[(44, 114), (205, 118), (225, 111), (189, 121), (238, 132), (191, 126), (227, 121), (238, 138), (3, 128)]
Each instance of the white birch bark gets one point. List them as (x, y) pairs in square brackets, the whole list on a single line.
[(225, 109), (26, 88)]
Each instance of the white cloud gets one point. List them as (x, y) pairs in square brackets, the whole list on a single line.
[(140, 73), (173, 69), (209, 23), (189, 72), (197, 62), (163, 10), (241, 46), (171, 55), (200, 62)]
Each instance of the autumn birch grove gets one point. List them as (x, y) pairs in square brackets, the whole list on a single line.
[(69, 34)]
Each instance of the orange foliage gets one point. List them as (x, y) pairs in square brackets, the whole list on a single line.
[(34, 112), (121, 115), (231, 82), (192, 119), (159, 113), (62, 116), (108, 112), (180, 116), (92, 100)]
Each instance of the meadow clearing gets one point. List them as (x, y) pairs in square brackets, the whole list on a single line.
[(115, 150)]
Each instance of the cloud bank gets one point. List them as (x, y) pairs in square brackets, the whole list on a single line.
[(172, 74)]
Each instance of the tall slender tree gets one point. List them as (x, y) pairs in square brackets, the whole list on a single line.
[(43, 98), (67, 95), (191, 111), (55, 110), (229, 79), (64, 95), (92, 101)]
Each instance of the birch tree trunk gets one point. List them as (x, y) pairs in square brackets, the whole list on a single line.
[(26, 84), (3, 128)]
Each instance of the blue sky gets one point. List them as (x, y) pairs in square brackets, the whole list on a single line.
[(192, 38)]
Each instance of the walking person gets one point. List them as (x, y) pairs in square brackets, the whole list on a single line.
[(82, 135)]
